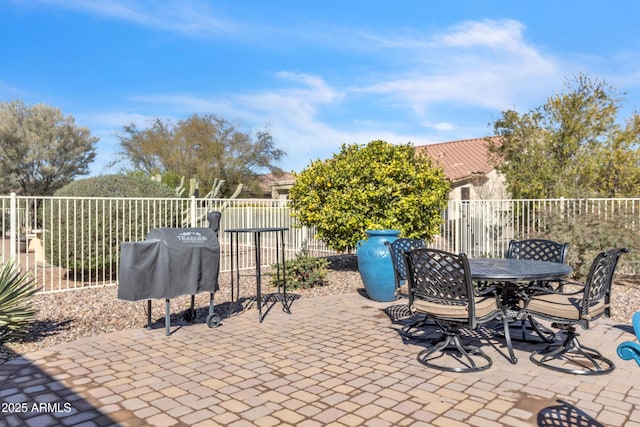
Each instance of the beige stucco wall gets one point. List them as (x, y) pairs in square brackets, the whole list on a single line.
[(487, 187)]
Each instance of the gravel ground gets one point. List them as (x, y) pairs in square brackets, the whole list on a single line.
[(68, 316)]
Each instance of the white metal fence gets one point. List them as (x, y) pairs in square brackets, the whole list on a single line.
[(483, 228), (72, 242), (69, 243)]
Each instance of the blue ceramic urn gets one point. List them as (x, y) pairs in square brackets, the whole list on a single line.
[(375, 265)]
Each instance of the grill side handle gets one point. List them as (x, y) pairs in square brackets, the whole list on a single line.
[(214, 221)]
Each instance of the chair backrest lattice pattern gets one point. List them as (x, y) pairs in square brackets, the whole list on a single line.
[(537, 249), (599, 280), (440, 276), (397, 249)]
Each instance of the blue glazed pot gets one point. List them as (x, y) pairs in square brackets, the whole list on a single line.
[(375, 265)]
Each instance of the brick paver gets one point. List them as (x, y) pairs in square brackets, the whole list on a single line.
[(336, 360)]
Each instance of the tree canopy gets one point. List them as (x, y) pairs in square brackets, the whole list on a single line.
[(572, 146), (203, 147), (373, 186), (40, 149)]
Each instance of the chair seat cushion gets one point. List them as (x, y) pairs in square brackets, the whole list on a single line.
[(403, 290), (563, 307), (484, 307)]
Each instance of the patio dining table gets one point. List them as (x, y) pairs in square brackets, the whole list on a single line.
[(505, 271), (516, 270)]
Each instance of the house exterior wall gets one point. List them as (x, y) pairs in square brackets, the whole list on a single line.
[(481, 187), (280, 190)]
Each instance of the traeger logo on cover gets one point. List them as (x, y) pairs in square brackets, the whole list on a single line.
[(191, 236)]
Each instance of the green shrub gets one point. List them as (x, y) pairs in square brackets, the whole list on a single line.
[(115, 186), (16, 312), (590, 232), (304, 271), (375, 186), (87, 236)]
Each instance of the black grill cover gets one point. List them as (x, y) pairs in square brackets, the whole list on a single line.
[(170, 262)]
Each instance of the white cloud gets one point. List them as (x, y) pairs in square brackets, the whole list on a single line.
[(486, 66), (113, 120), (445, 69), (186, 16), (443, 126), (505, 35)]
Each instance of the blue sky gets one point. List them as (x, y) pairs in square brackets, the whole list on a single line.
[(315, 74)]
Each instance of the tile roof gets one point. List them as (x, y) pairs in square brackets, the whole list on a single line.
[(267, 180), (460, 159)]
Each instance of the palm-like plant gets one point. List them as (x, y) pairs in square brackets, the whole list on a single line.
[(16, 312)]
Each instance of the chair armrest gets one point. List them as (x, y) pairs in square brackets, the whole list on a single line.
[(534, 291), (571, 282), (490, 289)]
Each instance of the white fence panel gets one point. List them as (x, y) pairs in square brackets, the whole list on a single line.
[(483, 228), (69, 243), (72, 242)]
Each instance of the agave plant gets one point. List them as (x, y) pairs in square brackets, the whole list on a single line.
[(16, 312)]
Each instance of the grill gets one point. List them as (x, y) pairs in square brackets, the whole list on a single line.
[(171, 262)]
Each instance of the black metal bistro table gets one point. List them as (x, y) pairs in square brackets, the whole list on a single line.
[(257, 244)]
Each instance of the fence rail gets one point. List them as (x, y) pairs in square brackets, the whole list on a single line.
[(69, 243)]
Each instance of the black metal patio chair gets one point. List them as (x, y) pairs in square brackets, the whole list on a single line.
[(566, 310), (440, 287), (538, 250), (397, 249)]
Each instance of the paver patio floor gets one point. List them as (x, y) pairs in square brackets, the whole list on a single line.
[(338, 360)]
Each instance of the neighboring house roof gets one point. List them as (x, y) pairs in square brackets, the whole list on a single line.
[(267, 180), (461, 159)]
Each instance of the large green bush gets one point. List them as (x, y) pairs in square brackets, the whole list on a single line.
[(375, 186), (86, 230)]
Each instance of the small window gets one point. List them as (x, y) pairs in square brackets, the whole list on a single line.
[(464, 193)]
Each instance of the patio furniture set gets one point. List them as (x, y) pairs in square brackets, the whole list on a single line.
[(447, 292), (527, 288)]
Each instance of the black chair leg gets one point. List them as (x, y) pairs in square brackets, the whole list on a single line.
[(507, 336), (451, 343), (420, 323), (545, 334), (571, 357)]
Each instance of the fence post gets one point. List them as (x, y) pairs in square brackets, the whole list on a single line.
[(457, 225), (13, 227), (194, 213)]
